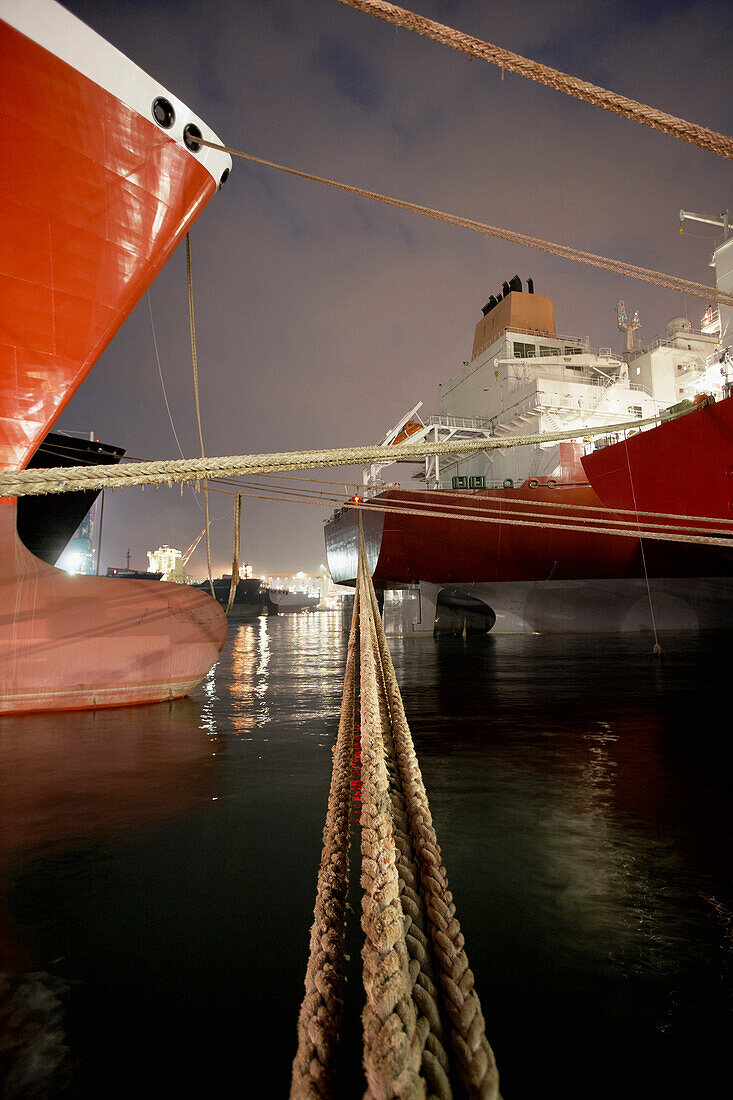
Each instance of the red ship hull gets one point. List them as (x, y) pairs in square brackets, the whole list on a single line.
[(555, 576), (406, 549), (684, 466), (94, 200)]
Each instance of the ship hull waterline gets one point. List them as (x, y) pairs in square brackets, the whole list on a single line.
[(77, 642), (527, 579)]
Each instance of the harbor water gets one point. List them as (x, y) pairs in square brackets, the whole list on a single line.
[(158, 865)]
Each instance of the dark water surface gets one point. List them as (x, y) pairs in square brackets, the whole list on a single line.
[(158, 864)]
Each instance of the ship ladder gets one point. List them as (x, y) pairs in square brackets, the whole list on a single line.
[(423, 1029)]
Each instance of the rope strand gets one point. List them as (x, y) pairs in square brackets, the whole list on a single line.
[(619, 267), (691, 132), (173, 471)]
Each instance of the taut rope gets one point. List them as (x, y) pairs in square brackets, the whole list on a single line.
[(16, 483), (691, 132), (194, 361), (619, 267), (235, 551)]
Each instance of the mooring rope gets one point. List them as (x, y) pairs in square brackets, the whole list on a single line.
[(473, 1060), (16, 483), (418, 985), (321, 1010), (544, 523), (498, 507), (691, 132), (235, 551), (194, 361), (392, 1051), (657, 649), (464, 508), (619, 267), (500, 516), (160, 375)]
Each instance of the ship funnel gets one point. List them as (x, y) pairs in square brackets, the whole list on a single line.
[(530, 286)]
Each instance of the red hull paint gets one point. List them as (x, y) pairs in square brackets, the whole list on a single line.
[(70, 642), (684, 467), (94, 198), (451, 550), (411, 548), (94, 201)]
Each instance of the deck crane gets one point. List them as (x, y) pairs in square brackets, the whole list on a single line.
[(187, 553), (626, 325)]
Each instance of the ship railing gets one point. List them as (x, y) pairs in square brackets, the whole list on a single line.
[(559, 337), (667, 342), (459, 421)]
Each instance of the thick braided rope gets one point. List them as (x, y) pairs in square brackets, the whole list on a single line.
[(619, 267), (25, 483), (430, 1026), (322, 1006), (17, 483), (475, 1061), (691, 132), (392, 1056)]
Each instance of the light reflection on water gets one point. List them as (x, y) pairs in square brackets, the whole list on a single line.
[(161, 861)]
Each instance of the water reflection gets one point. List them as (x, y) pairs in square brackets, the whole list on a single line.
[(67, 778), (69, 784), (579, 795)]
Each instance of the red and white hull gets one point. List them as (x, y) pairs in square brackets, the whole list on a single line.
[(559, 575), (96, 194)]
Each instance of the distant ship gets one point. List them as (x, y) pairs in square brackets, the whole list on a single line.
[(281, 601), (502, 550), (105, 178), (47, 523), (250, 598)]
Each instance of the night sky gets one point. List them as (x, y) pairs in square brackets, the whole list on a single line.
[(321, 317)]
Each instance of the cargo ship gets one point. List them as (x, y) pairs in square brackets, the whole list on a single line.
[(284, 601), (523, 539), (106, 180), (250, 597)]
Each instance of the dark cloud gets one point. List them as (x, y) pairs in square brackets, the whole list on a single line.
[(352, 75), (321, 317)]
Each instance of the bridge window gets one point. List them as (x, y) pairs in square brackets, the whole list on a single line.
[(524, 351)]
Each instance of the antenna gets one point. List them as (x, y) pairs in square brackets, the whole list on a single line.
[(723, 222), (626, 325)]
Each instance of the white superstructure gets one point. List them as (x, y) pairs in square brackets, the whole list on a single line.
[(523, 378)]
